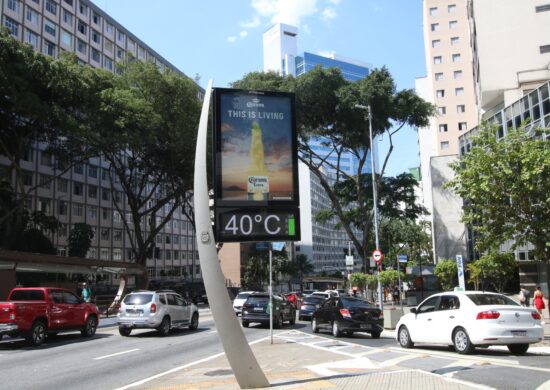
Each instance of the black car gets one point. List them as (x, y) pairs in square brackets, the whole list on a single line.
[(308, 306), (345, 315), (255, 309)]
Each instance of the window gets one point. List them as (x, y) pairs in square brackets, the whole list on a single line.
[(462, 126), (141, 52), (104, 253), (428, 306), (96, 18), (109, 28), (82, 47), (117, 235), (105, 194), (51, 7), (436, 43), (438, 60), (78, 169), (105, 213), (433, 11), (13, 5), (119, 53), (45, 159), (82, 27), (105, 233), (92, 191), (456, 57), (31, 38), (78, 210), (69, 2), (83, 9), (459, 91), (95, 55), (453, 24), (12, 25), (444, 145), (62, 185), (120, 36), (49, 27), (460, 108), (434, 26), (78, 188), (544, 49), (66, 38), (117, 254), (451, 8), (457, 74), (96, 36), (117, 217), (108, 46), (108, 63), (62, 207), (440, 93), (455, 40), (31, 16), (439, 76), (441, 110), (67, 17), (92, 171), (45, 181), (92, 212), (443, 128)]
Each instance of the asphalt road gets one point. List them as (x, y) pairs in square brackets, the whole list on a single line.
[(109, 361)]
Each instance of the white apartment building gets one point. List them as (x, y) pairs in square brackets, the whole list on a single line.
[(85, 193)]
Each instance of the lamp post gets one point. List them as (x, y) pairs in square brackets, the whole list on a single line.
[(374, 198)]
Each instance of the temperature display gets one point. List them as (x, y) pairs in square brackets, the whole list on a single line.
[(257, 225)]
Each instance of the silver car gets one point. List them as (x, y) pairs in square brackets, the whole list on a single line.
[(162, 310)]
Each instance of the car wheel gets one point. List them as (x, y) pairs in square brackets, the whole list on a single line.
[(404, 338), (518, 349), (336, 331), (124, 331), (278, 322), (90, 327), (194, 321), (164, 327), (314, 326), (37, 334), (375, 335), (462, 342), (245, 324)]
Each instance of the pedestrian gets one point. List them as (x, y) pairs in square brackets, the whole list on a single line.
[(538, 300), (524, 296), (396, 294), (86, 294)]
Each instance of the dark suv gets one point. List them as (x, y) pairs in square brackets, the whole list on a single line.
[(256, 309)]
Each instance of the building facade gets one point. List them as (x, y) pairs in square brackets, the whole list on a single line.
[(85, 194)]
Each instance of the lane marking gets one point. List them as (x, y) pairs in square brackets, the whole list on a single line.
[(116, 354)]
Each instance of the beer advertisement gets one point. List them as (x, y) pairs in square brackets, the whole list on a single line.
[(256, 148)]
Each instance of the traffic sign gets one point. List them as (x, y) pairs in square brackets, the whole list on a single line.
[(377, 256), (402, 258)]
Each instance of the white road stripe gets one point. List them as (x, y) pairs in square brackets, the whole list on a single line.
[(116, 354)]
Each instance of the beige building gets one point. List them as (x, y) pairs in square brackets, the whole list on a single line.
[(85, 193), (449, 85)]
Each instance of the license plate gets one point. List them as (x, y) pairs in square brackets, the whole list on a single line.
[(519, 333), (258, 309), (365, 326)]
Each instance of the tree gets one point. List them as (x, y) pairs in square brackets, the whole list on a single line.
[(390, 277), (143, 123), (326, 108), (303, 266), (505, 185), (80, 239), (493, 268), (358, 280), (406, 236), (447, 273)]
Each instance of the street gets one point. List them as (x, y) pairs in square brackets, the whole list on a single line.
[(109, 361)]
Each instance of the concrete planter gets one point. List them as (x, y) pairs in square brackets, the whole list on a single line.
[(391, 317)]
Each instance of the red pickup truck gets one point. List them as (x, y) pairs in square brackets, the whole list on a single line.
[(35, 312)]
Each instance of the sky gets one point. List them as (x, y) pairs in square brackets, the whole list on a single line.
[(222, 40)]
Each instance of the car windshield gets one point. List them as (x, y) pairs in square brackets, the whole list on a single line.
[(314, 300), (354, 302), (263, 300), (138, 299), (243, 295), (491, 299)]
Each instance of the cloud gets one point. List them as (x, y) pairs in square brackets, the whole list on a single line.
[(285, 11), (328, 14), (232, 39), (335, 2), (243, 34), (252, 23), (306, 29)]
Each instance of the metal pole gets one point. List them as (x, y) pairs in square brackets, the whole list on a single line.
[(270, 295), (247, 371), (399, 285), (375, 202)]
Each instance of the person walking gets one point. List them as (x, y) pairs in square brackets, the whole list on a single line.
[(538, 300), (86, 293), (524, 296)]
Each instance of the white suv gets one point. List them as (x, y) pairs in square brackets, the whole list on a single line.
[(161, 310)]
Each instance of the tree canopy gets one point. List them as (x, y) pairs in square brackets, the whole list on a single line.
[(505, 185)]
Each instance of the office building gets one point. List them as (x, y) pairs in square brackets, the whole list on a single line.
[(85, 193), (323, 243)]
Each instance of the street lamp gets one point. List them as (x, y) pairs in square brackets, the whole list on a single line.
[(374, 197)]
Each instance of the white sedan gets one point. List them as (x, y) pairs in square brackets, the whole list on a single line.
[(466, 319)]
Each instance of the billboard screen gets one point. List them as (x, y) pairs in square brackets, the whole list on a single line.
[(255, 148)]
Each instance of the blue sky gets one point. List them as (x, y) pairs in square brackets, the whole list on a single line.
[(222, 39)]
